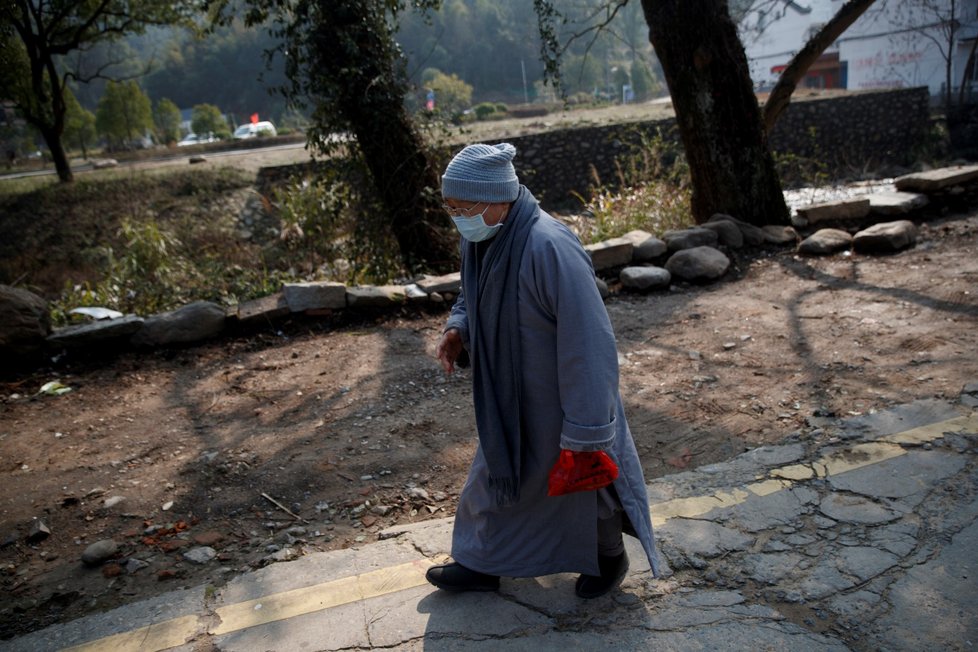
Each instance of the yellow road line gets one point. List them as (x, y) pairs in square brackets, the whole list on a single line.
[(158, 636), (297, 602)]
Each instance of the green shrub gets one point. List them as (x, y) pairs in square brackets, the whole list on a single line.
[(484, 110)]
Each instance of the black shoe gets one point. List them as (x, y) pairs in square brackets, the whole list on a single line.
[(456, 577), (613, 571)]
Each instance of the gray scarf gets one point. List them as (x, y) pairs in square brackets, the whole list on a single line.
[(491, 287)]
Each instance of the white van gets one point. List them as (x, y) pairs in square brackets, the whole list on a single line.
[(254, 129)]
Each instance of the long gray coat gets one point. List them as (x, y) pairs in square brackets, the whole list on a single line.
[(570, 399)]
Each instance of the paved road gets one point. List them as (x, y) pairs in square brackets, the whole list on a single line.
[(862, 539), (272, 155)]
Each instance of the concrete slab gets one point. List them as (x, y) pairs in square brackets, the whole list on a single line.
[(937, 180), (162, 622), (900, 477), (314, 296), (615, 252), (843, 209), (927, 604), (896, 203), (447, 283)]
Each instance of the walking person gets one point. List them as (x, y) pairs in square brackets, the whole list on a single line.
[(545, 381)]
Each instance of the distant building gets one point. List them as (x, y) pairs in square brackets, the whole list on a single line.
[(895, 44)]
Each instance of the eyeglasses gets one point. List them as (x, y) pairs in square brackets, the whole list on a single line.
[(458, 211)]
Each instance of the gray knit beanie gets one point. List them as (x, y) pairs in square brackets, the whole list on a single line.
[(482, 173)]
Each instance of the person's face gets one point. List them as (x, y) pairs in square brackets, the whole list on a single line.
[(493, 213)]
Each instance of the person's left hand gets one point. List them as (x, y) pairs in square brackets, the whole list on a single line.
[(581, 471)]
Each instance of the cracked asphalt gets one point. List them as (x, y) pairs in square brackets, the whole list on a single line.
[(861, 538)]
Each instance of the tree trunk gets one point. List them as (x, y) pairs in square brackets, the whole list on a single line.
[(780, 95), (719, 120), (58, 155), (373, 103)]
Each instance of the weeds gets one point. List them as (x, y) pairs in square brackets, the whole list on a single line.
[(652, 192), (798, 170)]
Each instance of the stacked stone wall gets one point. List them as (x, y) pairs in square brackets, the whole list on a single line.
[(844, 133)]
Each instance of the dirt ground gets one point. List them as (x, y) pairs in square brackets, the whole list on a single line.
[(315, 435), (354, 428)]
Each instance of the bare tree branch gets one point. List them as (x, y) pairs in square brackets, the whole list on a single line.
[(781, 94)]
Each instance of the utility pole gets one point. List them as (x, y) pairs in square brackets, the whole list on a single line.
[(526, 95)]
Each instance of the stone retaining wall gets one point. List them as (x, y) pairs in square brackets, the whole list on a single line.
[(852, 131)]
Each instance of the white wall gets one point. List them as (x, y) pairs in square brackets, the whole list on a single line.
[(890, 46)]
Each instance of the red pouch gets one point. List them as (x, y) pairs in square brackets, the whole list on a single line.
[(580, 471)]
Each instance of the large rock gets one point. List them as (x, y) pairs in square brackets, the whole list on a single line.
[(645, 246), (886, 237), (24, 322), (645, 278), (190, 323), (753, 235), (97, 332), (610, 253), (824, 242), (698, 264), (314, 296), (690, 238), (780, 235), (728, 233)]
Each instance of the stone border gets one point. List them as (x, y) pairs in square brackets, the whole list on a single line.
[(638, 261)]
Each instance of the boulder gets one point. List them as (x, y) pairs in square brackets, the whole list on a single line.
[(698, 264), (190, 323), (824, 242), (690, 238), (645, 278), (753, 235), (645, 246), (602, 288), (610, 253), (780, 235), (728, 233), (24, 322), (96, 332), (886, 237)]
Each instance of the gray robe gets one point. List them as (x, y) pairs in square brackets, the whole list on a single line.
[(569, 399)]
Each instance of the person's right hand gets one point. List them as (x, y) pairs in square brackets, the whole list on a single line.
[(449, 349)]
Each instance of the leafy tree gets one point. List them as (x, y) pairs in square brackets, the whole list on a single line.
[(342, 59), (124, 113), (207, 119), (643, 83), (582, 74), (452, 95), (79, 124), (44, 42), (166, 116)]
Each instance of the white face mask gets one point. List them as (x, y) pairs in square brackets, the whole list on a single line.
[(474, 228)]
